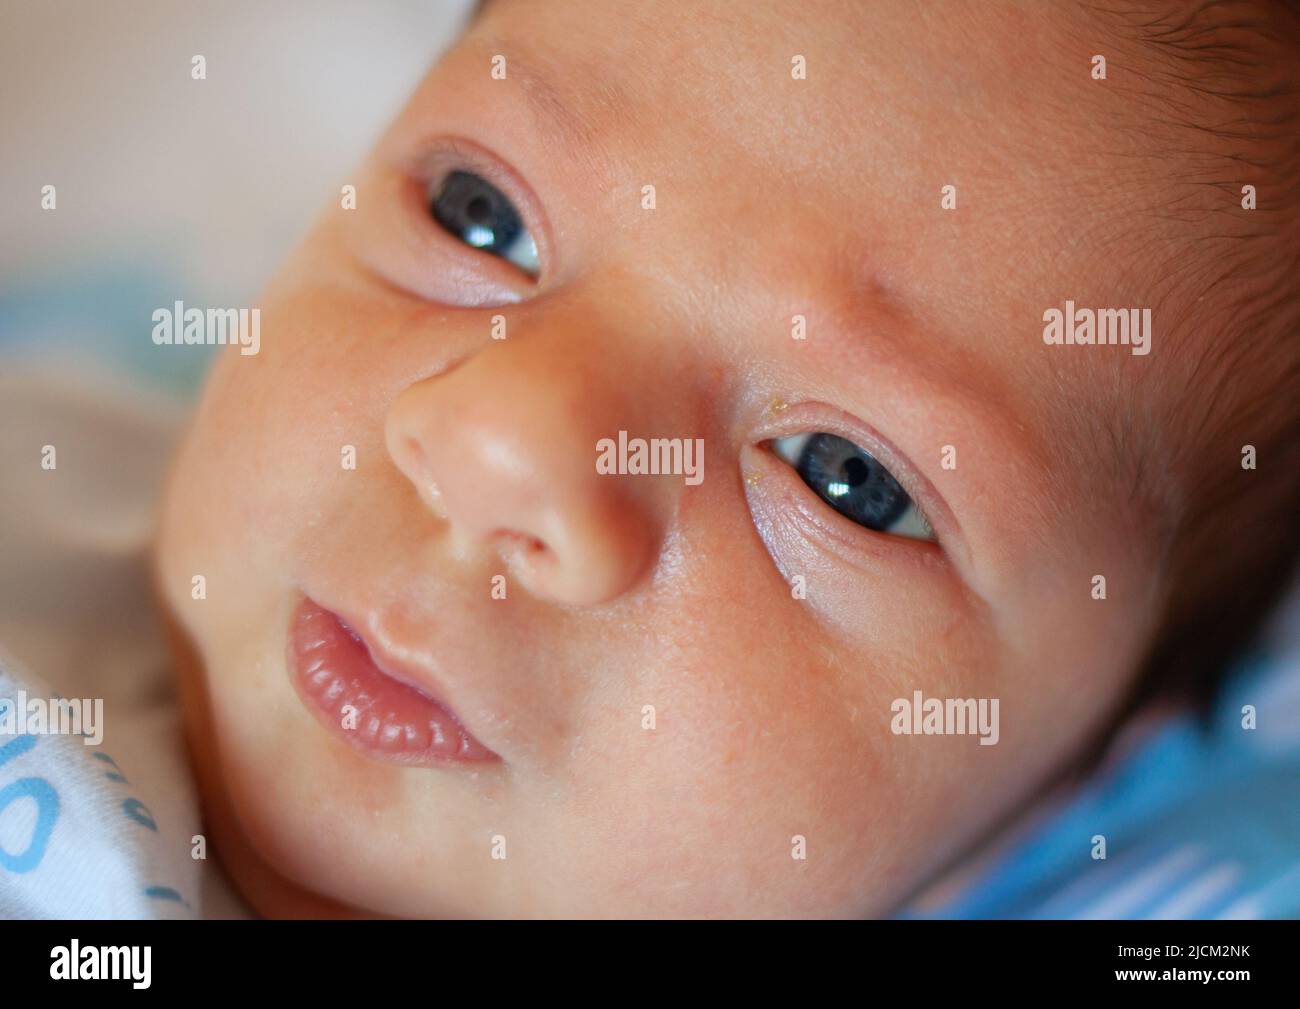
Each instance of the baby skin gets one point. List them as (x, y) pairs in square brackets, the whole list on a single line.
[(457, 654)]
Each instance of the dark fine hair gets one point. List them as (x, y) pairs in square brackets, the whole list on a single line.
[(1222, 79)]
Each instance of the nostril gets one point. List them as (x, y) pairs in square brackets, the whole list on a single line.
[(526, 556), (519, 543)]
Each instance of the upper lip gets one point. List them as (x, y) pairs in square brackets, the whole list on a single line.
[(402, 660)]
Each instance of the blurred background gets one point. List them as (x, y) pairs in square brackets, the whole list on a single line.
[(172, 188)]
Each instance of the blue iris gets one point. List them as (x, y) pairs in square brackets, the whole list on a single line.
[(475, 211), (852, 482)]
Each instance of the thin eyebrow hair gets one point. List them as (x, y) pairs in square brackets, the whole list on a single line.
[(547, 102), (573, 111)]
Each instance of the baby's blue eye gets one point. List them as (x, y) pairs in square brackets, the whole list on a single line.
[(476, 212), (854, 483)]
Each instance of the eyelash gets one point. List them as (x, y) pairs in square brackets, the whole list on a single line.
[(462, 201), (429, 170), (784, 420)]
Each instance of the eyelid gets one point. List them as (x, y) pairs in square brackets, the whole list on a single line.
[(810, 416), (800, 532), (446, 154)]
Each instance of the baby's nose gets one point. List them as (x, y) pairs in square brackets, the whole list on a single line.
[(504, 448)]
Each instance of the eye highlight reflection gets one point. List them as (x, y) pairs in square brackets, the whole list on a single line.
[(473, 210), (854, 483)]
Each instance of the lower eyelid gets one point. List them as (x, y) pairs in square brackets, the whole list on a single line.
[(452, 153), (773, 488), (401, 242), (799, 417)]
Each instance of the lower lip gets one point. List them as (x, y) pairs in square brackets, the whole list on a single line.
[(338, 680)]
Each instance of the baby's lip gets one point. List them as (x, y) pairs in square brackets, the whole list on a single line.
[(368, 693)]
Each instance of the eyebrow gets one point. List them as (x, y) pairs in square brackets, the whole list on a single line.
[(576, 114), (547, 102)]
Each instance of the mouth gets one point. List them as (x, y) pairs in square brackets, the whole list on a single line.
[(337, 677)]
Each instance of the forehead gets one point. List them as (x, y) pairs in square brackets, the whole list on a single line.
[(888, 104), (833, 127)]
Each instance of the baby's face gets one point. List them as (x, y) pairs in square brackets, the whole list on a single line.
[(686, 678)]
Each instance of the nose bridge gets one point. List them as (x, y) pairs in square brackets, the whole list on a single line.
[(503, 448), (553, 386)]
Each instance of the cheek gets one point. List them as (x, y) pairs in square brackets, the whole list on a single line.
[(265, 453), (769, 783), (255, 473)]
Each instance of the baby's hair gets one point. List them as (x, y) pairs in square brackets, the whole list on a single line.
[(1221, 81)]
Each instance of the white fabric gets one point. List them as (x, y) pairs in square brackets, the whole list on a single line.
[(91, 831)]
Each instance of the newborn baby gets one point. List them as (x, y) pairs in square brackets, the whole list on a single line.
[(976, 324)]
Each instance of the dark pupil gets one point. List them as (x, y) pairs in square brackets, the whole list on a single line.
[(476, 212), (852, 482), (855, 471)]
